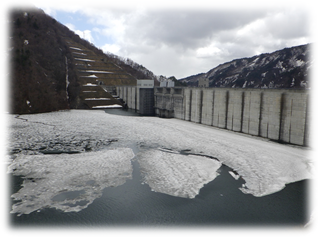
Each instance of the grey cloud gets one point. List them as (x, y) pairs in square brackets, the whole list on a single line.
[(190, 29), (167, 41)]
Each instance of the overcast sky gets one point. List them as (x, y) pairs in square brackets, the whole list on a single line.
[(185, 38)]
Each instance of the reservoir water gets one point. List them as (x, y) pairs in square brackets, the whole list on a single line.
[(219, 203)]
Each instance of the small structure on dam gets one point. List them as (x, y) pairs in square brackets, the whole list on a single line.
[(140, 98), (146, 97)]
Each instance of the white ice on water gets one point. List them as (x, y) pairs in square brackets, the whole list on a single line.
[(235, 176), (176, 174), (50, 179), (265, 166)]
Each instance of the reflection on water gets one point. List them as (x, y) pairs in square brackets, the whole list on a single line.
[(219, 202), (62, 181)]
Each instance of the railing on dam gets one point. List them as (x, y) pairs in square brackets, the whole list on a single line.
[(280, 115)]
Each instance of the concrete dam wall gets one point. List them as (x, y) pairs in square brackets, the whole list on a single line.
[(280, 115), (139, 99)]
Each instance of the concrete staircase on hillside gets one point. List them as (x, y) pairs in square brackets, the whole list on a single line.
[(98, 77)]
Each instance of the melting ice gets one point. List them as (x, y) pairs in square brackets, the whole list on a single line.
[(70, 182), (176, 174)]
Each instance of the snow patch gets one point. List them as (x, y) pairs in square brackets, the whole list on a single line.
[(79, 53), (92, 76), (85, 59), (28, 103), (292, 83), (299, 63), (76, 48), (296, 62), (251, 65), (94, 71), (68, 182), (90, 84), (304, 84)]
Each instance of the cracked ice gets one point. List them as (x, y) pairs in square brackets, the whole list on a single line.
[(265, 166)]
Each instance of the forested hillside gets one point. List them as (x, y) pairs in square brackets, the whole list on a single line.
[(44, 73)]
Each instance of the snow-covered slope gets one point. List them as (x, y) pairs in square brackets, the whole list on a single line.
[(286, 68)]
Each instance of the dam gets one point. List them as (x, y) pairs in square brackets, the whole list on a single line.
[(277, 114)]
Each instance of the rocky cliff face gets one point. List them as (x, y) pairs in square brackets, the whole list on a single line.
[(51, 66), (286, 68)]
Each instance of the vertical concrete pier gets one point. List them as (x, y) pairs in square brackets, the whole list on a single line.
[(280, 115)]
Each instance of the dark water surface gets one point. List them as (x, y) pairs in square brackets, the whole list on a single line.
[(219, 203)]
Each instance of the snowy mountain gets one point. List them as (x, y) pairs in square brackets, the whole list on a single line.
[(286, 68)]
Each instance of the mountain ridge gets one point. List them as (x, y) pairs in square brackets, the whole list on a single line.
[(282, 69)]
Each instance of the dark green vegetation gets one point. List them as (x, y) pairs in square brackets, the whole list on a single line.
[(46, 70), (177, 82)]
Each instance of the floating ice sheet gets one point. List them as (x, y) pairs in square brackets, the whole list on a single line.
[(176, 174), (68, 182), (265, 166), (235, 176)]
